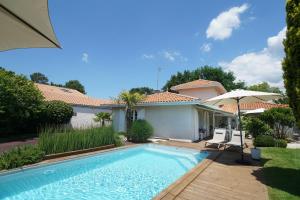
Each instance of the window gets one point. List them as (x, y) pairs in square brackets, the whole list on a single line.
[(134, 115)]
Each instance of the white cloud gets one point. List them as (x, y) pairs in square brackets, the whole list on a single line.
[(264, 65), (222, 26), (148, 56), (173, 55), (85, 58), (206, 47)]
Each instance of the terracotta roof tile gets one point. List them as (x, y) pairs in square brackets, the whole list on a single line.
[(251, 106), (167, 97), (198, 84), (69, 96)]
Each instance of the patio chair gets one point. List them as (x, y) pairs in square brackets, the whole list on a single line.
[(235, 139), (218, 138)]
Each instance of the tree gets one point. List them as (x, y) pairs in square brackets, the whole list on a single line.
[(291, 62), (130, 100), (142, 90), (38, 77), (20, 103), (280, 120), (102, 117), (227, 79), (76, 85), (265, 87)]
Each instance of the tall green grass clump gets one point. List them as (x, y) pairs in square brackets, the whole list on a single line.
[(64, 140)]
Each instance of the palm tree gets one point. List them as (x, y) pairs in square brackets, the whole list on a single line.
[(102, 117), (130, 99)]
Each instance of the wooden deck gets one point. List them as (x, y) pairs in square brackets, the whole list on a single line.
[(217, 177)]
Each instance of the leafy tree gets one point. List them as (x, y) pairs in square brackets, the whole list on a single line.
[(265, 87), (280, 120), (227, 79), (76, 85), (142, 90), (102, 117), (291, 62), (20, 103), (56, 84), (38, 77), (130, 100)]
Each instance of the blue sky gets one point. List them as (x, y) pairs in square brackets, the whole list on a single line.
[(114, 45)]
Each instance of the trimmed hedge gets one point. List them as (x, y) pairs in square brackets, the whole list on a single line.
[(140, 131), (269, 141), (76, 139), (264, 141), (56, 112), (20, 156), (280, 143)]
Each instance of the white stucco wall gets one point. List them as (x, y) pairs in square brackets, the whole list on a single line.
[(84, 116), (176, 122), (202, 93)]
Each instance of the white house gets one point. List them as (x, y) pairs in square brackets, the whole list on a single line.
[(84, 107), (178, 116)]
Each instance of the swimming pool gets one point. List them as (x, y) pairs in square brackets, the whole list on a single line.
[(131, 173)]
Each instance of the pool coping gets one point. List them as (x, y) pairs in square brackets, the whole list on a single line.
[(173, 190)]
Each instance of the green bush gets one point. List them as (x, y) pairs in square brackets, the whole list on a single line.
[(76, 139), (264, 141), (56, 112), (280, 143), (140, 131), (20, 156), (280, 120), (20, 103), (257, 127)]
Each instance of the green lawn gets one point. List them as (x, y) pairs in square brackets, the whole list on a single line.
[(282, 172)]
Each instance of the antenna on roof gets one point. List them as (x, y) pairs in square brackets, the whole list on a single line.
[(157, 80)]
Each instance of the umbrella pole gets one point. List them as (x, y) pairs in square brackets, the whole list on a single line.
[(241, 127)]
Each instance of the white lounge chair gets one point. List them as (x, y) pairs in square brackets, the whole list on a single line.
[(236, 139), (218, 138)]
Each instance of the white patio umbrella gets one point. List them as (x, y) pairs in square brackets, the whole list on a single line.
[(242, 96), (25, 24), (256, 111)]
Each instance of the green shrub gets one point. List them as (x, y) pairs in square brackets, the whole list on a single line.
[(280, 143), (20, 156), (264, 141), (140, 131), (57, 112), (280, 120), (76, 139), (257, 127), (20, 103)]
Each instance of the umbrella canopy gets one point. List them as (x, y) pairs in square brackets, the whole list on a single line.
[(25, 24), (256, 111), (242, 96)]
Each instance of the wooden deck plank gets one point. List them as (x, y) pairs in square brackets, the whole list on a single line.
[(221, 179)]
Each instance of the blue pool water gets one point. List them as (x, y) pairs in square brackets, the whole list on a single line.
[(132, 173)]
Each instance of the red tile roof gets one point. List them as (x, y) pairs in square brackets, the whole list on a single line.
[(199, 84), (167, 97), (251, 106), (69, 96)]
